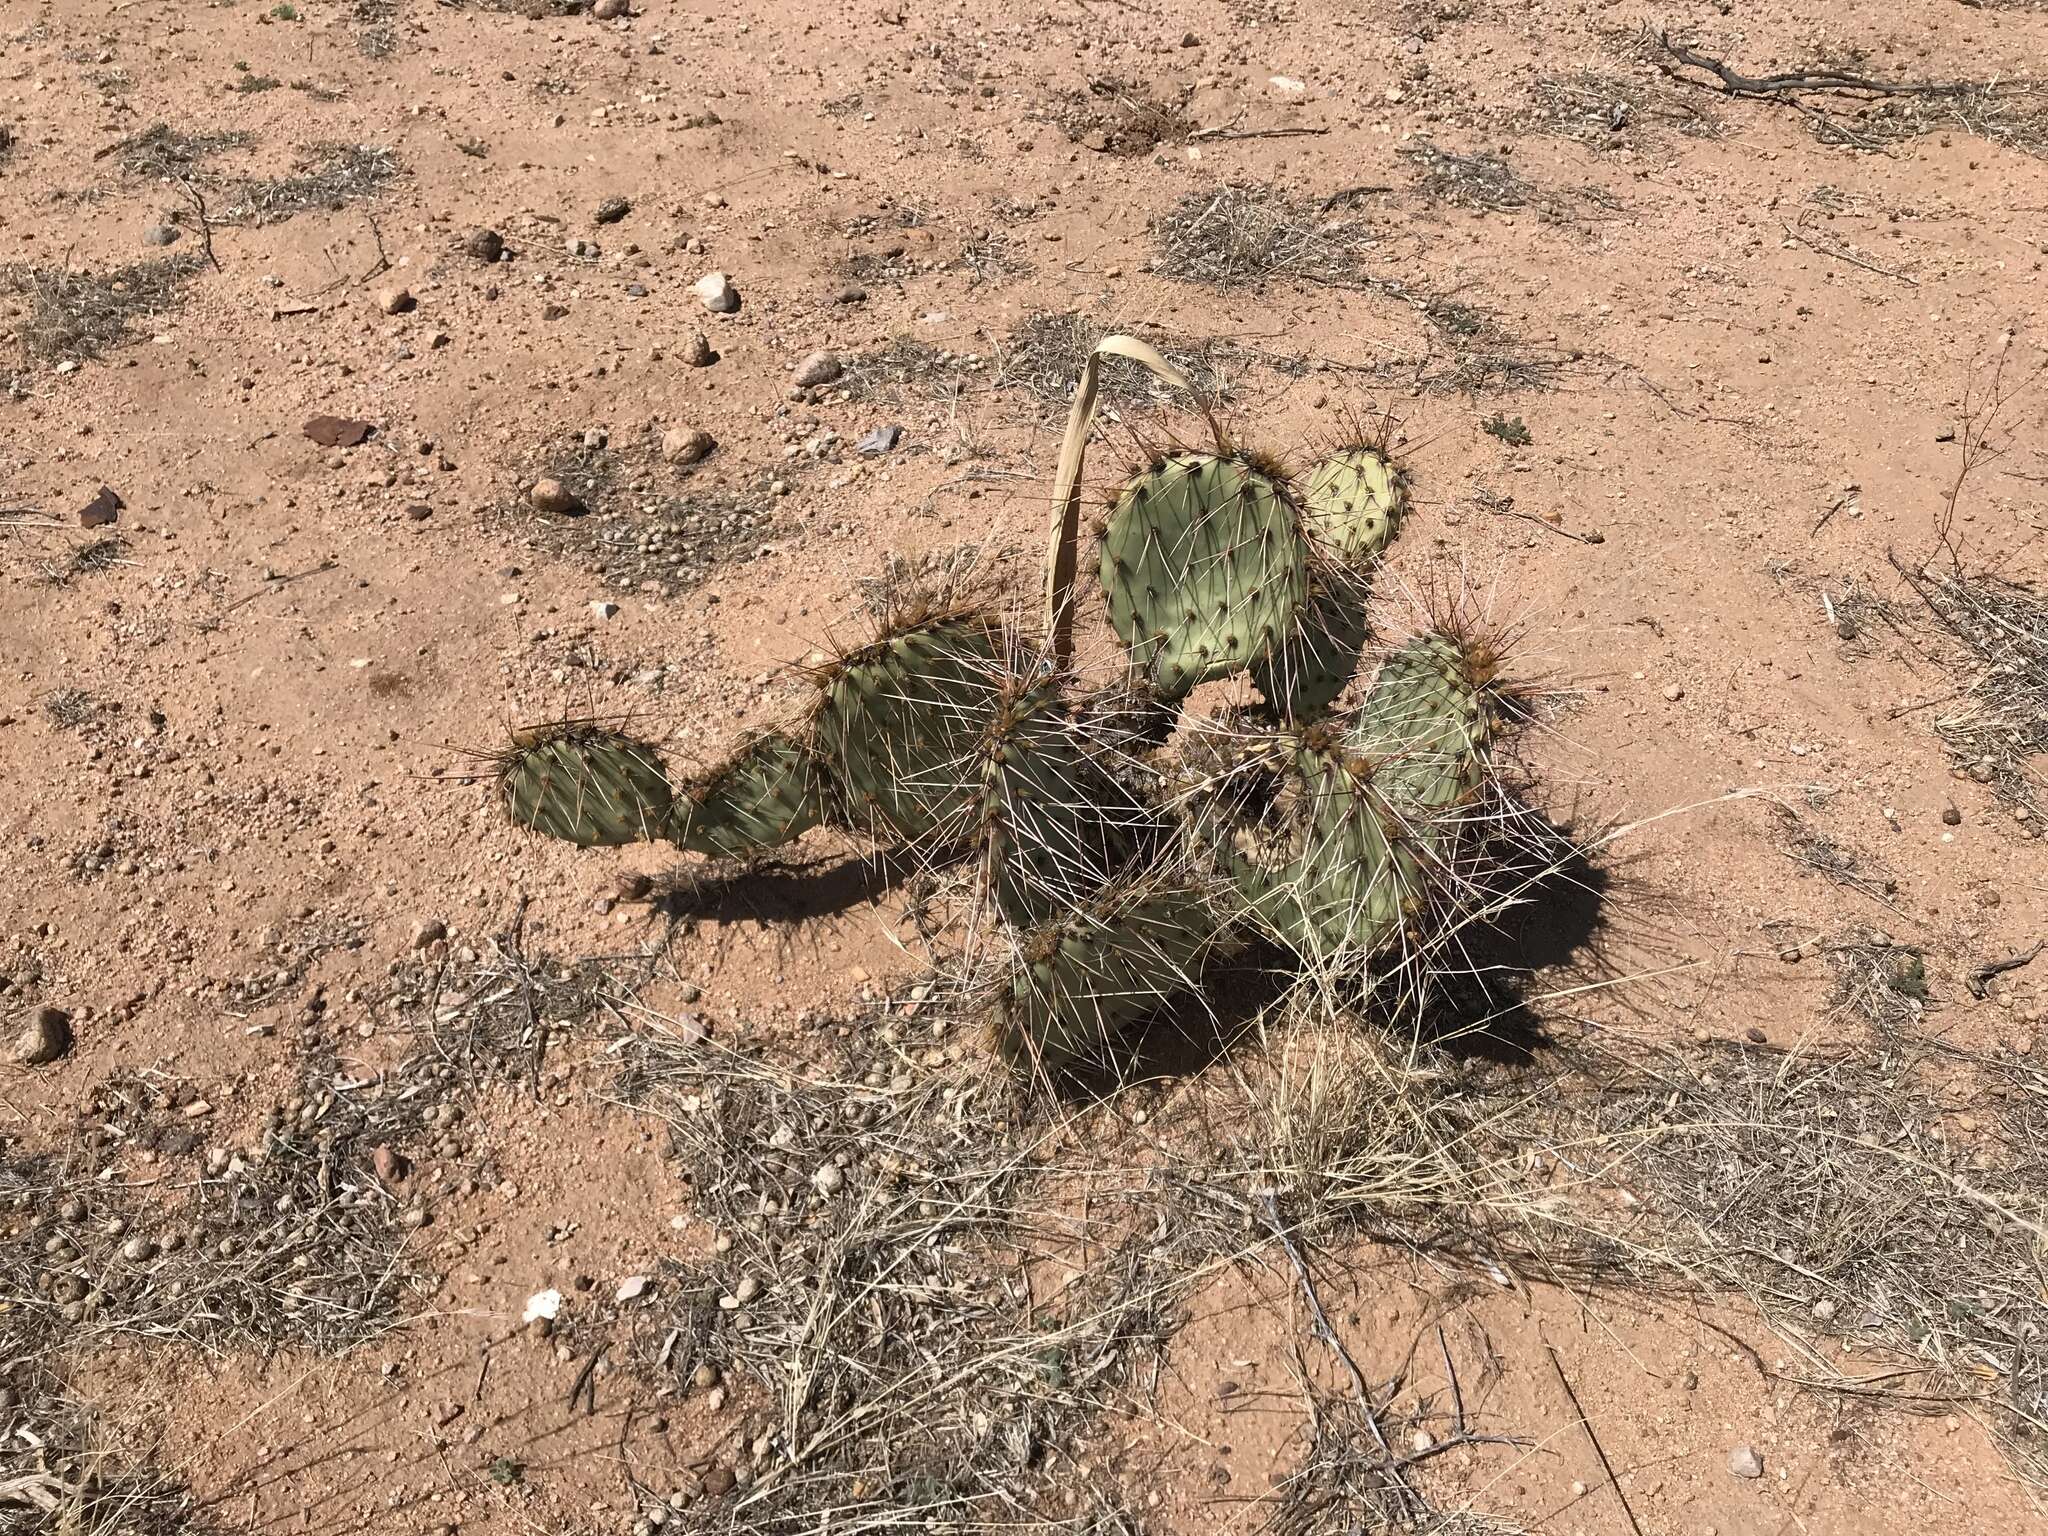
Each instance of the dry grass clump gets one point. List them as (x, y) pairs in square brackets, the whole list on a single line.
[(1485, 182), (909, 369), (886, 1281), (81, 315), (329, 176), (163, 153), (1242, 236), (1996, 726), (1044, 356), (1605, 110), (1878, 980)]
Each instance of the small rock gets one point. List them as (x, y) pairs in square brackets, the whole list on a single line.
[(852, 293), (161, 234), (390, 1166), (718, 1481), (696, 351), (748, 1288), (611, 10), (44, 1039), (550, 495), (419, 511), (705, 1376), (484, 244), (1951, 817), (881, 440), (632, 1288), (104, 508), (688, 992), (1673, 692), (394, 301), (818, 368), (612, 209), (603, 609), (337, 431), (1743, 1461), (829, 1179), (717, 294), (138, 1250), (1190, 40), (634, 886), (686, 445), (588, 249), (1422, 1440), (427, 931)]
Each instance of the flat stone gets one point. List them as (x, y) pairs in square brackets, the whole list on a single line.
[(817, 368), (686, 445), (1744, 1462), (45, 1038)]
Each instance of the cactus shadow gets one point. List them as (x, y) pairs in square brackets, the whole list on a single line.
[(776, 891), (1549, 901)]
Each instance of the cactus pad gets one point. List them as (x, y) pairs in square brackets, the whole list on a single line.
[(586, 784), (770, 791), (1303, 675), (1083, 983), (1203, 566), (1354, 503), (1425, 724), (900, 719)]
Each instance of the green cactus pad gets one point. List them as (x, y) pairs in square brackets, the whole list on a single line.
[(1302, 676), (1353, 504), (1424, 724), (1083, 983), (1204, 567), (899, 721), (1054, 823), (768, 792), (586, 784)]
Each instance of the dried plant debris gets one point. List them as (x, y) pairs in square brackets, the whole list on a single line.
[(1843, 105), (163, 153), (78, 315), (1607, 111), (1044, 356), (1115, 117), (1878, 980), (909, 369), (1482, 181), (1996, 728), (876, 1224), (375, 23), (1241, 236), (329, 176)]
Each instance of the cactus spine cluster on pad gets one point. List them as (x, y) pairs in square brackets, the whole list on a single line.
[(1203, 566), (1118, 848)]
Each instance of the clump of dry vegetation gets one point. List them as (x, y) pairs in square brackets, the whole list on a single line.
[(79, 315), (1045, 353), (163, 153), (329, 176), (1241, 236)]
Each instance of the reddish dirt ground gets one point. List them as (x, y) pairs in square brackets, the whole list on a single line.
[(249, 721)]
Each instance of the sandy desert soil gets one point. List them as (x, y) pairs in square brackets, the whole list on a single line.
[(1721, 401)]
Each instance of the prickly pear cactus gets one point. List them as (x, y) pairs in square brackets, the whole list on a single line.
[(585, 784), (1054, 821), (899, 721), (1204, 568), (1426, 723), (1082, 982), (767, 793), (1353, 504), (1301, 677)]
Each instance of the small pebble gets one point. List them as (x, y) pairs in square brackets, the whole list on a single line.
[(714, 290), (611, 10), (44, 1039), (686, 445), (161, 234), (484, 244), (696, 351), (394, 301), (1673, 692), (705, 1377), (613, 209), (829, 1179), (1744, 1462), (550, 495), (818, 368), (428, 930)]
